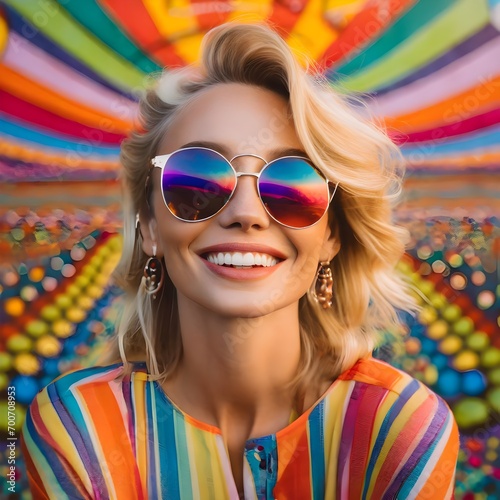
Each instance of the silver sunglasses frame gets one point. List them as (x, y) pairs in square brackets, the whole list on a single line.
[(160, 162)]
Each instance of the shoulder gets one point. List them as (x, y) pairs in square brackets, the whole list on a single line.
[(391, 392), (79, 387), (406, 427)]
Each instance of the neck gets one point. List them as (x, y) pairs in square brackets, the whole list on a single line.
[(237, 368)]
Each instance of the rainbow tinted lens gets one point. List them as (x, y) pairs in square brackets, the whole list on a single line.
[(294, 192), (197, 183)]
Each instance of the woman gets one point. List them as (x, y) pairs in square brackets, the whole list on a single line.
[(249, 181)]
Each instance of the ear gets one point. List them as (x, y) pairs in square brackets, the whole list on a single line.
[(149, 232), (331, 244)]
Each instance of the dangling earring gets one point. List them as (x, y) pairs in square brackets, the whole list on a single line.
[(323, 286), (153, 275)]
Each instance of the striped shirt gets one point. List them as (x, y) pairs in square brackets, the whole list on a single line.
[(376, 433)]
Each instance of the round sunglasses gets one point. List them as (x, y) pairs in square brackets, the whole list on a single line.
[(197, 183)]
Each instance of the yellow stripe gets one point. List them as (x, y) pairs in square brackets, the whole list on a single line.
[(58, 432), (246, 11), (4, 34), (138, 385), (173, 21), (396, 428), (334, 416), (312, 34)]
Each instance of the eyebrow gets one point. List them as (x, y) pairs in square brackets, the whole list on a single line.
[(224, 151)]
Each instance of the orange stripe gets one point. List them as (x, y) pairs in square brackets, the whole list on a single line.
[(32, 155), (472, 102), (112, 436), (45, 98), (294, 467), (442, 475)]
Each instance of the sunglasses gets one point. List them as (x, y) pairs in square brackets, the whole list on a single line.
[(197, 183)]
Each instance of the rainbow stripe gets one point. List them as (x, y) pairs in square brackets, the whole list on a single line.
[(376, 433)]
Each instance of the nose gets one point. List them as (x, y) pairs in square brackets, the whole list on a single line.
[(245, 209)]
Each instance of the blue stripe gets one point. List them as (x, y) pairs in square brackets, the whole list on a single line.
[(82, 146), (391, 415), (51, 456), (151, 440), (166, 442), (316, 424), (414, 473)]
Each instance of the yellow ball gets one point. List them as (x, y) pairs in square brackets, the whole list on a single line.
[(95, 291), (466, 360), (431, 375), (14, 306), (82, 281), (75, 314), (26, 364), (63, 329), (438, 329), (450, 344), (73, 290), (48, 346), (427, 315), (85, 303)]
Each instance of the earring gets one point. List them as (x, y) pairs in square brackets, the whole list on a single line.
[(153, 275), (323, 286)]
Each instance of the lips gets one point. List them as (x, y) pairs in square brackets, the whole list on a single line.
[(241, 261)]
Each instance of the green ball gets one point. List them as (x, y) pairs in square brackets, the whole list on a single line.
[(470, 412), (37, 328), (451, 313), (4, 381), (464, 326), (494, 376), (19, 343), (478, 341), (493, 397), (50, 313), (5, 361), (491, 357), (63, 301)]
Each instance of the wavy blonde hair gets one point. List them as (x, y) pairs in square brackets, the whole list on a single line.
[(348, 148)]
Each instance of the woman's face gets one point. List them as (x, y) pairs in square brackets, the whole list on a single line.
[(236, 119)]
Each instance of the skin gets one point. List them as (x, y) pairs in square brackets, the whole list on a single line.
[(240, 336)]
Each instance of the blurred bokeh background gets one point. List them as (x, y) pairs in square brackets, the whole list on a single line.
[(70, 74)]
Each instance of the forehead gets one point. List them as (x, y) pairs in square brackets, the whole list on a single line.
[(244, 118)]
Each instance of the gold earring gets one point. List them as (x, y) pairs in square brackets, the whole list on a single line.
[(323, 286), (153, 275)]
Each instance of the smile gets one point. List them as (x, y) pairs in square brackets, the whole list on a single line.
[(241, 260)]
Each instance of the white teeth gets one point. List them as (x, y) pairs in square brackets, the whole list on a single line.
[(237, 259)]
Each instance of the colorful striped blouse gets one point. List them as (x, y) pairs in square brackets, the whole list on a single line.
[(376, 433)]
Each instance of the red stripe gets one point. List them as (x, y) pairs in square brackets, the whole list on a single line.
[(31, 113), (363, 429), (366, 25), (135, 20)]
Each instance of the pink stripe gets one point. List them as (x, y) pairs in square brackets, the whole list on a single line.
[(458, 128), (475, 68), (32, 62)]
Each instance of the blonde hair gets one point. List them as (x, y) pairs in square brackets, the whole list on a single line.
[(349, 149)]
